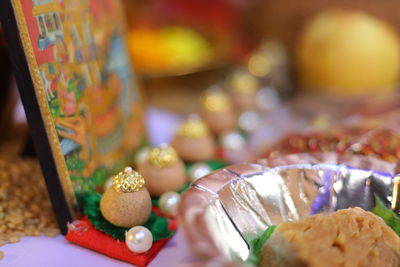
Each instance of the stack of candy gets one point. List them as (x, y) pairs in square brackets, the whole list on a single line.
[(139, 205)]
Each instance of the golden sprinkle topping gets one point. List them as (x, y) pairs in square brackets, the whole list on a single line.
[(244, 83), (128, 181), (193, 128), (215, 101), (163, 156)]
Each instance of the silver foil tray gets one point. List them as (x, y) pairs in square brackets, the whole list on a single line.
[(223, 211)]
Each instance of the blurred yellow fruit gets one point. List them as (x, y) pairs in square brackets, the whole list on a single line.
[(185, 47), (168, 49), (348, 53)]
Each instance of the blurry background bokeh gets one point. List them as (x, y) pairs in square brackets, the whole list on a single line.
[(179, 48), (287, 66)]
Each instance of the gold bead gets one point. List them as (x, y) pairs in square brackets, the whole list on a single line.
[(321, 122), (163, 156), (216, 101), (128, 181), (243, 82), (193, 127), (396, 195)]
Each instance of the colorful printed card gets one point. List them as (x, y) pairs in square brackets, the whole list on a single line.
[(78, 90)]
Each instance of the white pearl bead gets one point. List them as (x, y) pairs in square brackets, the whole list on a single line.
[(234, 147), (267, 99), (108, 183), (141, 155), (139, 239), (233, 141), (249, 121), (169, 202), (198, 170), (163, 145), (128, 169)]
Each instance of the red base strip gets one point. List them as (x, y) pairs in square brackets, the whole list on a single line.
[(84, 234)]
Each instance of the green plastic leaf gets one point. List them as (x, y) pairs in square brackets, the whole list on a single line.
[(157, 225), (257, 244), (389, 216)]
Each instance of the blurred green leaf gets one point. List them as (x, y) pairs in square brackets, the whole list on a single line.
[(390, 217), (257, 244)]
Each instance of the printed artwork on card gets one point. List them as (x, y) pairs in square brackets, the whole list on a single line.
[(84, 86)]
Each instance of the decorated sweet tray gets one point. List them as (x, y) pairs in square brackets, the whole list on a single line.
[(223, 211)]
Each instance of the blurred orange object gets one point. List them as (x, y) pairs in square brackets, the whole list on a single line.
[(143, 46)]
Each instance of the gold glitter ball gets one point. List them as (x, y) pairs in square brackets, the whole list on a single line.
[(163, 156), (244, 83), (396, 195), (193, 128), (216, 101), (128, 181), (321, 122)]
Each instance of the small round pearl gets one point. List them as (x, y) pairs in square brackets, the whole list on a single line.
[(128, 169), (108, 183), (267, 99), (139, 239), (198, 170), (169, 202), (234, 147), (249, 121), (141, 155), (163, 145), (233, 141)]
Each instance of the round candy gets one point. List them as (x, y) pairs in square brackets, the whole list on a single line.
[(169, 203), (160, 180), (191, 150), (139, 239), (198, 170), (163, 171), (193, 142), (126, 209), (243, 88), (127, 202), (217, 112)]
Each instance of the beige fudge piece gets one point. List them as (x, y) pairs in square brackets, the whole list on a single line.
[(349, 238)]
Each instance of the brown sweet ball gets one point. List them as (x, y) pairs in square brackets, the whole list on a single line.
[(193, 141), (217, 112), (127, 202), (349, 237), (163, 171), (243, 88)]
